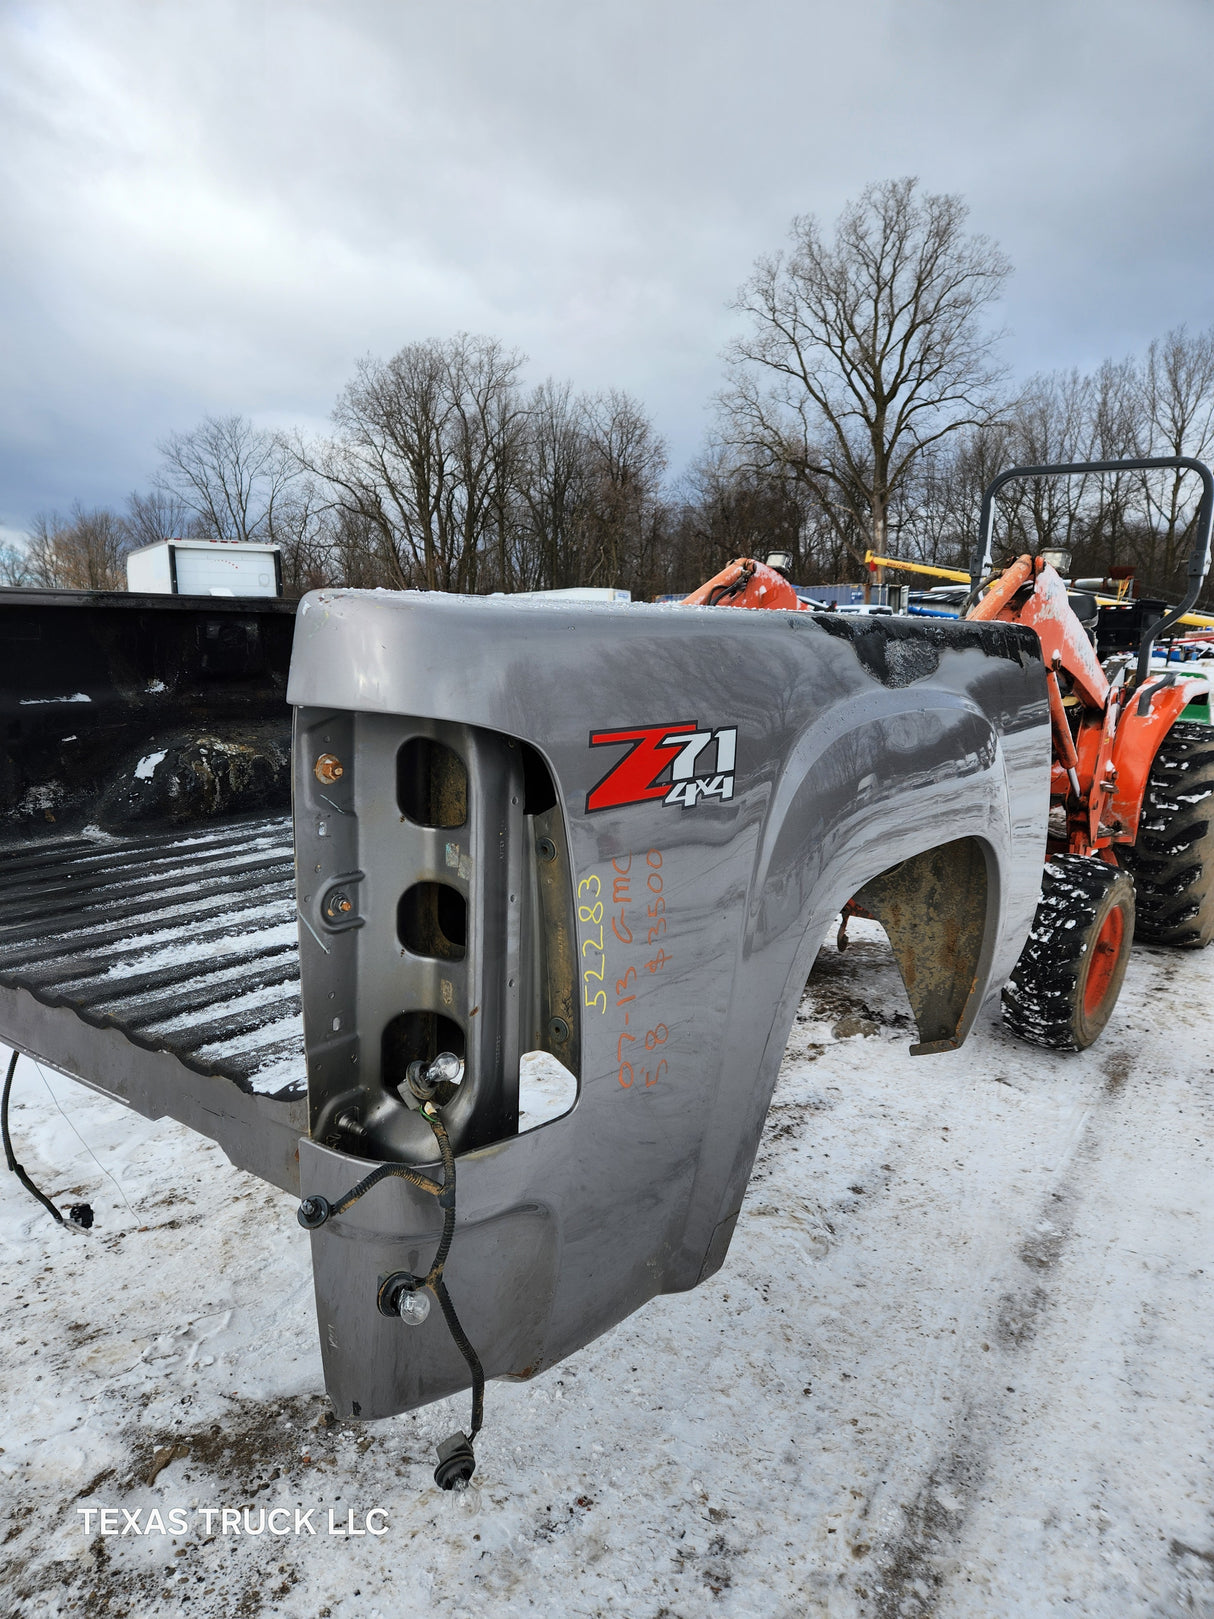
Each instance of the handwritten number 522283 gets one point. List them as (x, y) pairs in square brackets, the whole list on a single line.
[(590, 914)]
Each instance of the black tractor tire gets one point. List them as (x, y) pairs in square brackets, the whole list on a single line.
[(1065, 985), (1173, 857)]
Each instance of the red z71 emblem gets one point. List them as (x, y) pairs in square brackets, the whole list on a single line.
[(655, 749)]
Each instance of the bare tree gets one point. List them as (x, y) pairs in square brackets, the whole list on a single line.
[(1177, 401), (1052, 421), (865, 351), (553, 484), (1117, 435), (154, 517), (1161, 406), (728, 509), (85, 552), (304, 528), (15, 566), (229, 474), (423, 458), (589, 507), (935, 517), (626, 461), (355, 554)]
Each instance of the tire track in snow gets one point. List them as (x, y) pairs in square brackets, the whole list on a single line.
[(906, 1529), (916, 1566)]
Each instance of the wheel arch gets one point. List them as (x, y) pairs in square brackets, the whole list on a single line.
[(935, 908), (925, 814)]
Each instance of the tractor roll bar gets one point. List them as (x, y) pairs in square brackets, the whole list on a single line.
[(1199, 559)]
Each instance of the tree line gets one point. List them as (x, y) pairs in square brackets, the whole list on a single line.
[(865, 407)]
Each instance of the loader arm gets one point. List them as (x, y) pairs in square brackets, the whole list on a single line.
[(617, 835)]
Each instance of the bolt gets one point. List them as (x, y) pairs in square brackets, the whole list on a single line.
[(338, 904), (546, 849), (313, 1212), (558, 1030), (328, 768)]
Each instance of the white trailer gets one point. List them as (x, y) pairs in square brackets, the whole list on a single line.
[(205, 568)]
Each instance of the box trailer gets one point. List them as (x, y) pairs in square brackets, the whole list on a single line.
[(205, 568)]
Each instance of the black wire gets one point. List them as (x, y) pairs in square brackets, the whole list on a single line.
[(8, 1145), (731, 587), (382, 1172), (445, 1194), (977, 590), (435, 1280), (447, 1200), (470, 1355)]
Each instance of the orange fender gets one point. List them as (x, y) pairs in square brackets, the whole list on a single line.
[(1136, 744)]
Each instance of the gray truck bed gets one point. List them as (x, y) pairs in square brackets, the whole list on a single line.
[(163, 969), (616, 836)]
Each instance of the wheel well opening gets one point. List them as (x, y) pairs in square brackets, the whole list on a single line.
[(933, 908)]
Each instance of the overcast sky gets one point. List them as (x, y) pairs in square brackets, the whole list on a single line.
[(214, 207)]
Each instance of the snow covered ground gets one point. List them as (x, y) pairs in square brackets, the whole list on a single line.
[(960, 1362)]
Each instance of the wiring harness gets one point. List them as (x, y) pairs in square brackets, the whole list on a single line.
[(402, 1294), (11, 1158)]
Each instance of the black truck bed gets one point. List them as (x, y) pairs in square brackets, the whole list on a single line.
[(127, 953), (148, 940)]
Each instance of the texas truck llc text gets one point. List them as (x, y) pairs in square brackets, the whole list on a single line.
[(234, 1521)]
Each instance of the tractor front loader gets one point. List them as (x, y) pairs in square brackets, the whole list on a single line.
[(1130, 844)]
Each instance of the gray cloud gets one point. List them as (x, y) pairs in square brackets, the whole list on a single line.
[(220, 206)]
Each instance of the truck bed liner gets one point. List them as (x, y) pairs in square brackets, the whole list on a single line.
[(168, 948)]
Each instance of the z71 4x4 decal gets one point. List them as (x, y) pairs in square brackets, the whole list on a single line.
[(680, 764)]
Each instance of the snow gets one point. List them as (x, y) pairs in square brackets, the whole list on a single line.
[(173, 947), (546, 1090), (35, 702), (146, 768), (958, 1362)]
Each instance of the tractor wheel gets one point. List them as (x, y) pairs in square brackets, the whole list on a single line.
[(1173, 857), (1066, 983)]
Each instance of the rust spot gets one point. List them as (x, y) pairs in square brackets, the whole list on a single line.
[(328, 768)]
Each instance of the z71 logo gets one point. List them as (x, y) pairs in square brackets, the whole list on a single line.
[(680, 764)]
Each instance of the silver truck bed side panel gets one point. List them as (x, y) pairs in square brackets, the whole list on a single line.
[(853, 748)]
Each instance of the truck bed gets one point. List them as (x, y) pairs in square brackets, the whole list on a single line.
[(163, 969), (147, 930)]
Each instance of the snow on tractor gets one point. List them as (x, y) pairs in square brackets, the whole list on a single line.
[(1130, 847)]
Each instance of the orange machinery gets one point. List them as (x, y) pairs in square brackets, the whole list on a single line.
[(1130, 846)]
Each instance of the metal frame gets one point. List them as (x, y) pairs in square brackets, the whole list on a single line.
[(1199, 558)]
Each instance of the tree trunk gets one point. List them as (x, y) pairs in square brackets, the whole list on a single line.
[(879, 511)]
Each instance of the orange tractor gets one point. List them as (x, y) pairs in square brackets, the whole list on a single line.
[(1130, 845)]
